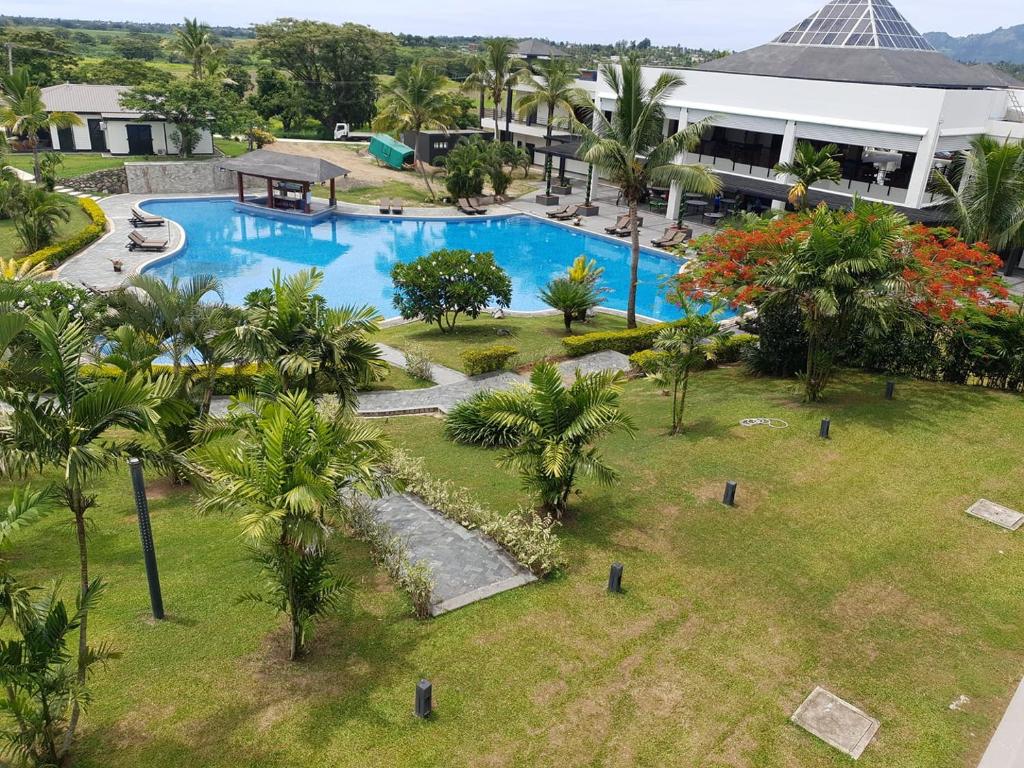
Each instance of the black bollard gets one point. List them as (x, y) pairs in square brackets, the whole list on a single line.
[(729, 498), (424, 699), (146, 534), (615, 578), (890, 389), (823, 432)]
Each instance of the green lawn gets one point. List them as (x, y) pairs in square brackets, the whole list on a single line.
[(371, 195), (75, 163), (10, 245), (536, 338), (399, 379), (231, 147), (848, 563)]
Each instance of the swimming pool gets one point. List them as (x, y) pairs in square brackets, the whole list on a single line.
[(356, 253)]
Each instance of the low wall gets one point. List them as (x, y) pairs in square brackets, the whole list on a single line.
[(182, 176)]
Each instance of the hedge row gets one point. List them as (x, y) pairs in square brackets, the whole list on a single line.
[(488, 359), (627, 342), (227, 381), (54, 255), (726, 350)]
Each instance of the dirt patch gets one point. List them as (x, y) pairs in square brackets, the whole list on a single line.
[(273, 714), (363, 169), (864, 603), (162, 487), (545, 693)]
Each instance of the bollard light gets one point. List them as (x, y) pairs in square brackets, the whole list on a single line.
[(823, 432), (729, 498), (615, 578), (156, 600), (890, 389), (424, 699)]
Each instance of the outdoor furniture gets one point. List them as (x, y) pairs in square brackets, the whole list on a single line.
[(673, 236), (657, 204), (396, 207), (468, 208), (619, 224), (696, 207), (713, 216), (560, 212), (693, 196), (137, 242), (143, 219), (570, 211), (474, 203), (385, 206)]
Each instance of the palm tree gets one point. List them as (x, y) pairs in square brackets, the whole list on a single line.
[(415, 100), (194, 41), (290, 326), (988, 206), (632, 152), (573, 298), (556, 427), (78, 427), (38, 215), (809, 166), (555, 89), (284, 477), (844, 273), (22, 112), (495, 71)]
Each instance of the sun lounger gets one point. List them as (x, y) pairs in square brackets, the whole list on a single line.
[(475, 205), (673, 236), (569, 212), (396, 207), (620, 222), (143, 219), (466, 208), (385, 206), (560, 212), (137, 242)]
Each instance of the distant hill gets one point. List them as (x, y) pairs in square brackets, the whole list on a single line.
[(1004, 44)]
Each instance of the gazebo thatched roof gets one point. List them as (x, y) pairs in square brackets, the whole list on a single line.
[(268, 164)]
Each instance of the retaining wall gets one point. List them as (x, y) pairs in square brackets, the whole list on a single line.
[(182, 176)]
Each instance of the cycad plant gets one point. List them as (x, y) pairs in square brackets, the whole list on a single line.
[(557, 426), (809, 166), (570, 297), (632, 151), (282, 474)]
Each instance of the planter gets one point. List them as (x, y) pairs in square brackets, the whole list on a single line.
[(562, 189), (543, 199), (587, 210), (117, 264)]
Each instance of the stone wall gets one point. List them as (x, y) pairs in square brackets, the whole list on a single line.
[(112, 181), (182, 176)]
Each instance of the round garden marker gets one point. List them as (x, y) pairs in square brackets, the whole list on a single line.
[(823, 432), (424, 699), (615, 578), (729, 498), (890, 389)]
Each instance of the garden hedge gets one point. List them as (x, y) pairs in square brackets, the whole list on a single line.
[(54, 255), (488, 359), (627, 342)]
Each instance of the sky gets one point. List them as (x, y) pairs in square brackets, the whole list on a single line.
[(728, 24)]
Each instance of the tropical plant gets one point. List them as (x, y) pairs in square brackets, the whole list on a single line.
[(495, 71), (570, 297), (469, 423), (445, 284), (556, 428), (194, 41), (49, 168), (10, 189), (38, 215), (75, 426), (515, 157), (283, 475), (309, 344), (465, 166), (12, 269), (684, 347), (23, 113), (632, 151), (809, 166), (552, 85)]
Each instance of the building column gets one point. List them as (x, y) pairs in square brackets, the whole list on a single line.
[(241, 187), (922, 171), (270, 193), (786, 154), (334, 199)]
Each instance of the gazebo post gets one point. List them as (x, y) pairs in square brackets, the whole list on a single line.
[(270, 192), (334, 201), (305, 196), (241, 188)]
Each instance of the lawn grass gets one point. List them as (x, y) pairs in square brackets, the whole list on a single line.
[(231, 147), (10, 245), (372, 194), (75, 163), (536, 338), (847, 563), (397, 378)]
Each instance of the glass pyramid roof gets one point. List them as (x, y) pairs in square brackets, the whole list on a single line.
[(856, 24)]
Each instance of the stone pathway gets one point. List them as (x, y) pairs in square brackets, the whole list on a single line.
[(75, 193), (438, 399), (594, 362), (466, 565), (439, 374)]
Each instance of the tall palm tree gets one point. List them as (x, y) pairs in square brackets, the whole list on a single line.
[(845, 272), (495, 71), (809, 166), (632, 151), (556, 427), (75, 426), (22, 112), (988, 205), (284, 476), (194, 41), (415, 100), (554, 89)]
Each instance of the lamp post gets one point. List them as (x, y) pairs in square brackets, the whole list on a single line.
[(146, 534)]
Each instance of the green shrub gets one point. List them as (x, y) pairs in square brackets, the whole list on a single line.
[(627, 342), (730, 348), (646, 361), (54, 255), (466, 424), (488, 359)]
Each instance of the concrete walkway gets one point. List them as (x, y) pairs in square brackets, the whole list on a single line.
[(439, 374), (438, 399), (466, 565), (1006, 750)]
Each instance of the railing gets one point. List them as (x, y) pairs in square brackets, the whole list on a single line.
[(515, 119)]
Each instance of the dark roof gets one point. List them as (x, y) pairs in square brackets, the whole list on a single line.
[(1004, 78), (278, 165), (881, 66), (539, 48), (570, 149)]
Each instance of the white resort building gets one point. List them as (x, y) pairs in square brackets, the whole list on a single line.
[(854, 73)]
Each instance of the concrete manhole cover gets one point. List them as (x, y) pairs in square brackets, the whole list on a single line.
[(996, 513), (836, 722)]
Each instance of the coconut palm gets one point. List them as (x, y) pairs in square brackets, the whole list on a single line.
[(554, 89), (79, 428), (283, 476), (632, 152), (844, 273), (38, 215), (194, 41), (988, 206), (416, 99), (495, 71), (809, 166), (23, 113), (557, 427)]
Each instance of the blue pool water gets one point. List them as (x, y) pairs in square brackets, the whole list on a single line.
[(356, 254)]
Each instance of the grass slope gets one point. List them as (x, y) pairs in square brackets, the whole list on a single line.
[(10, 245)]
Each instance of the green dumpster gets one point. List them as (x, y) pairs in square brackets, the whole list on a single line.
[(390, 151)]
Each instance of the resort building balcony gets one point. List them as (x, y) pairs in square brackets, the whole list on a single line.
[(533, 126)]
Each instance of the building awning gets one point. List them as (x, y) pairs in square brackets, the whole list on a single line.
[(569, 150), (278, 165)]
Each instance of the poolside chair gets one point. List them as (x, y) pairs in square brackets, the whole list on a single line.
[(620, 222), (674, 235), (143, 219), (385, 206), (568, 213), (474, 203), (396, 207), (467, 209), (137, 242), (560, 212)]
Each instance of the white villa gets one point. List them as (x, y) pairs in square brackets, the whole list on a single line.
[(854, 73), (107, 126)]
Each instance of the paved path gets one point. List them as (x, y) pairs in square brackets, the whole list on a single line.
[(466, 565), (438, 399), (1006, 750), (439, 374)]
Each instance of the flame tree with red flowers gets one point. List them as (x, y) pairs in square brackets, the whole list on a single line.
[(865, 268)]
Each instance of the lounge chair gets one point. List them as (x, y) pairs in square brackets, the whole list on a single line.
[(469, 209), (674, 235), (560, 212), (620, 222), (385, 206), (474, 203), (569, 212), (143, 219), (396, 207), (137, 242)]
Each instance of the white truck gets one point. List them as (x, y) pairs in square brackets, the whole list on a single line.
[(344, 132)]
